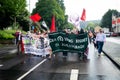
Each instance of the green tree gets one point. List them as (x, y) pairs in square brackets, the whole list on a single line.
[(107, 19), (66, 24), (61, 3), (91, 26), (9, 10), (47, 8), (23, 20)]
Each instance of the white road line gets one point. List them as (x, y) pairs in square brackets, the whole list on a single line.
[(74, 74), (13, 51), (20, 78), (1, 65)]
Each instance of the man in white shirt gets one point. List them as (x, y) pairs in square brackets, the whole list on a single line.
[(100, 38)]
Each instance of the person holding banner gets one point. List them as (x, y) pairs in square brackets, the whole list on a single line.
[(45, 45), (17, 36), (18, 40), (81, 55), (48, 50), (75, 31), (81, 31), (65, 52)]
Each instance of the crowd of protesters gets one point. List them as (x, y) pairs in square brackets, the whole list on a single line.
[(98, 39), (41, 39), (75, 31)]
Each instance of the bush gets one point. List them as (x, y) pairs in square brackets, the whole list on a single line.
[(7, 34)]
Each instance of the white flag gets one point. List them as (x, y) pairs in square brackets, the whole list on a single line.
[(44, 24), (74, 19)]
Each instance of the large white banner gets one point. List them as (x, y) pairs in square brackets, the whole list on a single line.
[(35, 46)]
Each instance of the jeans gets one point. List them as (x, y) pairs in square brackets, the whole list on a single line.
[(64, 53), (100, 46)]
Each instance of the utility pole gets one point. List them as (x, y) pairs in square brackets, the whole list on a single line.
[(29, 18)]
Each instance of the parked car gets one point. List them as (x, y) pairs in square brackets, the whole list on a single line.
[(108, 34), (114, 34)]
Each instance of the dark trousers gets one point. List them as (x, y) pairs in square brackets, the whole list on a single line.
[(64, 53), (100, 46), (90, 40), (96, 45)]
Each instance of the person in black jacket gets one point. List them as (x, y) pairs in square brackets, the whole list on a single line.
[(81, 55), (65, 52)]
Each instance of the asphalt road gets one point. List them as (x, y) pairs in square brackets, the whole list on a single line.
[(71, 68)]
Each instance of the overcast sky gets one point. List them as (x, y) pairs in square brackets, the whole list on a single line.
[(95, 9)]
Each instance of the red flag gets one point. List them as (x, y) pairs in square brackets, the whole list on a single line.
[(36, 17), (118, 20), (113, 22), (83, 16), (53, 28)]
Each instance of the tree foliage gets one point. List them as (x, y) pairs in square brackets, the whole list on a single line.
[(107, 18), (61, 3), (9, 10), (47, 8), (91, 26), (23, 20)]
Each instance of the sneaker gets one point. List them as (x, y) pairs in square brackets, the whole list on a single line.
[(98, 54), (96, 50)]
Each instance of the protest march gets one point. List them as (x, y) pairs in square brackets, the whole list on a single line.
[(52, 43)]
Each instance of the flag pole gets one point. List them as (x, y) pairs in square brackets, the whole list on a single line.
[(29, 18)]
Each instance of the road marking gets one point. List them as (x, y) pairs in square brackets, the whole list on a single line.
[(1, 65), (74, 74), (13, 51), (20, 78)]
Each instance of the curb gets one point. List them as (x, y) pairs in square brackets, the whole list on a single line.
[(115, 62), (8, 53), (12, 62)]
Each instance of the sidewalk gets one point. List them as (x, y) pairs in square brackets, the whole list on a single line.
[(112, 50), (7, 49), (9, 57)]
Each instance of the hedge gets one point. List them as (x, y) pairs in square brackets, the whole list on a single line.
[(6, 34)]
